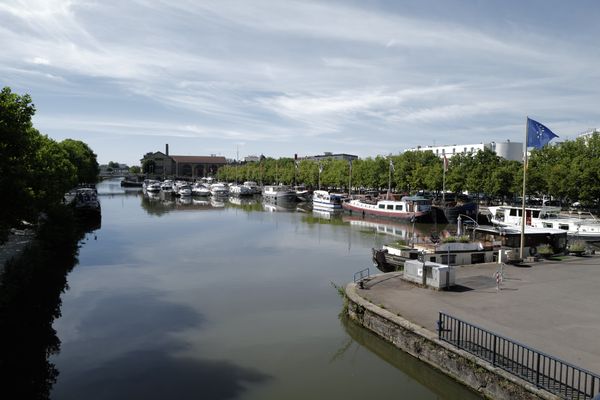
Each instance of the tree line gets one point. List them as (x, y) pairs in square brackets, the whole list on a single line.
[(35, 170), (567, 171)]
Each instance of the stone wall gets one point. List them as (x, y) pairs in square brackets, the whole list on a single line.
[(481, 376)]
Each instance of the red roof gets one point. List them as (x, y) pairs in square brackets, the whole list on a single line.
[(199, 159)]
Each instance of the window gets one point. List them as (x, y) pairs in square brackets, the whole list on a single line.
[(382, 206), (390, 206), (563, 226), (398, 207), (452, 259)]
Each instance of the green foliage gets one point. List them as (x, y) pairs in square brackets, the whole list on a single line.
[(135, 169), (16, 143), (35, 171), (84, 159)]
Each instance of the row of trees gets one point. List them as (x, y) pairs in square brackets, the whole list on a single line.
[(567, 171), (35, 171)]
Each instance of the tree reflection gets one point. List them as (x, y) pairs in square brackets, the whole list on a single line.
[(30, 290)]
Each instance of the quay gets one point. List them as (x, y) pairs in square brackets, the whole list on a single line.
[(550, 306)]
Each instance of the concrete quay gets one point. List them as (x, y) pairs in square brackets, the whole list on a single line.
[(551, 306)]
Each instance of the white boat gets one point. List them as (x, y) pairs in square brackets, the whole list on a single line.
[(200, 190), (548, 217), (219, 189), (324, 201), (184, 191), (167, 186), (240, 190), (279, 194), (413, 208), (253, 186), (151, 186)]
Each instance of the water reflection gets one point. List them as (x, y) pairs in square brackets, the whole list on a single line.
[(143, 362), (229, 304), (30, 289), (441, 384)]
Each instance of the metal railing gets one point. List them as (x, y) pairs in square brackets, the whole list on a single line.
[(362, 274), (547, 372)]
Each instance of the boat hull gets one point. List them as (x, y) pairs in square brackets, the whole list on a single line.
[(417, 216)]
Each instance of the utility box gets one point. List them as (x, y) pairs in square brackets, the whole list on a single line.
[(437, 276)]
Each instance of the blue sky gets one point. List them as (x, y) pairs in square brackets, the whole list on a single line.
[(282, 77)]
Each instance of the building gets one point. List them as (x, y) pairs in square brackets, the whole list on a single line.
[(251, 159), (159, 163), (589, 133), (330, 156), (507, 150)]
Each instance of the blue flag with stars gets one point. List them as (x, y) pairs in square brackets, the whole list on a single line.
[(538, 135)]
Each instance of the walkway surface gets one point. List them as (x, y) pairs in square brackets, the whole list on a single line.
[(14, 245), (552, 306)]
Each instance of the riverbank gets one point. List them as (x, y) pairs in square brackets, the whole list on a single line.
[(17, 241), (550, 306)]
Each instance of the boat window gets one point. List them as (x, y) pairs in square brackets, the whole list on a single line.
[(399, 207), (513, 212), (390, 207), (547, 225), (563, 226), (382, 206), (536, 213), (452, 259)]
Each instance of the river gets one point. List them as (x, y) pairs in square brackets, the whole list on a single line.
[(225, 301)]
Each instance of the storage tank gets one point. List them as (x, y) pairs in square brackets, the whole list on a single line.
[(510, 150)]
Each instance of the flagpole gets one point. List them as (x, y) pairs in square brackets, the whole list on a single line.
[(521, 255)]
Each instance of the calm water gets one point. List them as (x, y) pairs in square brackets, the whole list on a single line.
[(192, 301)]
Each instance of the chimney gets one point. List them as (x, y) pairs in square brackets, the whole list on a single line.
[(167, 149)]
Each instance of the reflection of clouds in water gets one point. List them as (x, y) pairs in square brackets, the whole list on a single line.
[(155, 375), (129, 346)]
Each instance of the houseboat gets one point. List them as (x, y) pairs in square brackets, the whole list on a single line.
[(582, 227), (324, 201), (412, 208), (279, 194)]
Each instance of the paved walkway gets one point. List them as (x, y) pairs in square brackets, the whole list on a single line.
[(14, 245), (552, 306)]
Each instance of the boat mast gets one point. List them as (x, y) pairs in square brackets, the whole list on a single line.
[(390, 178)]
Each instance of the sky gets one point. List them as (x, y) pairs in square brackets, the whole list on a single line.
[(283, 77)]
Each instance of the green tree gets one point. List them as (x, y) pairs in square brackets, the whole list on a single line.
[(16, 142), (83, 158), (135, 169)]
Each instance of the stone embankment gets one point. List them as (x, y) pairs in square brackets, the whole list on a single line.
[(424, 344)]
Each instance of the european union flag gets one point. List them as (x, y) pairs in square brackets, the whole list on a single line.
[(538, 135)]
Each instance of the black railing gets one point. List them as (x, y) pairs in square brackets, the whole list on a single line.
[(362, 274), (544, 371)]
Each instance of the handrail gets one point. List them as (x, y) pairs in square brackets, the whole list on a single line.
[(545, 371)]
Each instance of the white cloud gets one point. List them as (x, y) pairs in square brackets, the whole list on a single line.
[(272, 72)]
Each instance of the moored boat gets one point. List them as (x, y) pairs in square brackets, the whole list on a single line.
[(240, 190), (279, 194), (219, 189), (548, 217), (413, 208), (324, 201), (200, 190)]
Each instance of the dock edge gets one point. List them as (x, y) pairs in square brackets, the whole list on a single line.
[(473, 372)]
